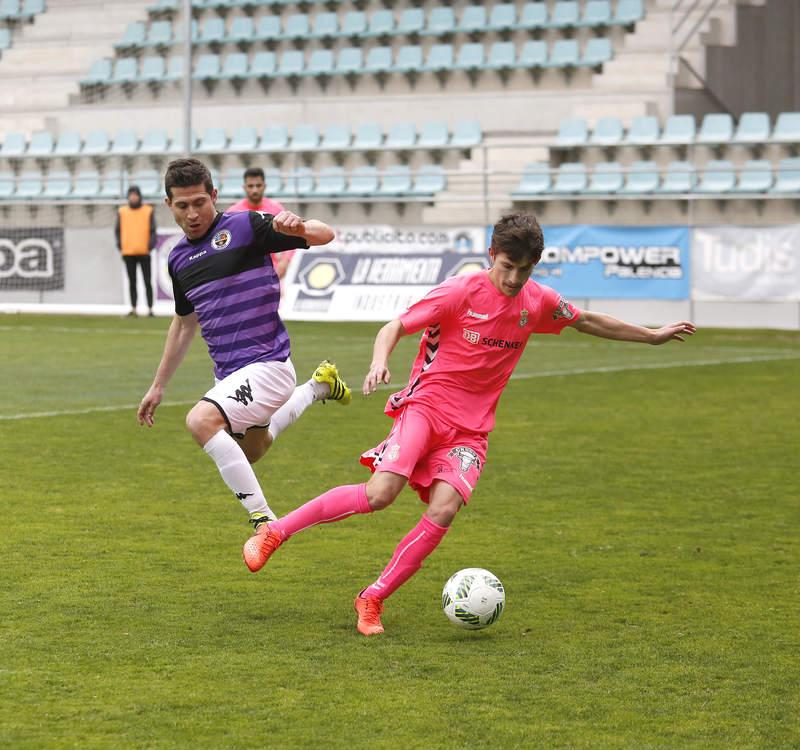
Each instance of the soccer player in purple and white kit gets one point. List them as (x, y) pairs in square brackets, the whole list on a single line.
[(224, 282)]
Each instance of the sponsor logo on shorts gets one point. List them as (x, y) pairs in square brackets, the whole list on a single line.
[(562, 310), (466, 457), (472, 336), (221, 239), (394, 452)]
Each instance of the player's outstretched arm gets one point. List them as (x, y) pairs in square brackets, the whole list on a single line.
[(385, 342), (314, 232), (179, 337), (608, 327)]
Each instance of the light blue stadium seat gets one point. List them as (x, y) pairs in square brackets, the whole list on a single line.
[(268, 27), (160, 34), (152, 69), (99, 73), (134, 36), (243, 140), (299, 182), (87, 185), (533, 55), (716, 129), (643, 131), (607, 132), (395, 181), (29, 185), (273, 181), (606, 179), (175, 68), (148, 181), (155, 141), (470, 57), (8, 184), (58, 185), (429, 180), (5, 39), (402, 135), (596, 13), (441, 22), (570, 179), (642, 179), (368, 137), (753, 128), (69, 144), (10, 9), (409, 59), (564, 53), (381, 23), (325, 26), (305, 137), (234, 67), (502, 56), (533, 16), (679, 130), (363, 182), (440, 58), (379, 60), (787, 128), (207, 68), (502, 18), (213, 141), (41, 144), (473, 20), (466, 134), (350, 61), (787, 177), (628, 12), (297, 27), (717, 177), (335, 137), (263, 65), (14, 145), (535, 181), (274, 138), (230, 184), (176, 147), (160, 7), (331, 182), (126, 70), (212, 32), (112, 184), (433, 135), (755, 177), (354, 24), (320, 63), (596, 53), (32, 8), (680, 177), (125, 143), (565, 15), (292, 64), (412, 22), (572, 132), (96, 143), (242, 30)]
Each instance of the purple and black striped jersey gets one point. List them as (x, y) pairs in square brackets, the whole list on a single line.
[(227, 278)]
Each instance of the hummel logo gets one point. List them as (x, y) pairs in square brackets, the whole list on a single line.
[(482, 316), (244, 394), (243, 495)]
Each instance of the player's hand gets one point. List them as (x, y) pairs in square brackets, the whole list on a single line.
[(148, 406), (674, 332), (288, 223), (377, 374)]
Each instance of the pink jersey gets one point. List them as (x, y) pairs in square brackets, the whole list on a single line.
[(474, 336), (266, 205)]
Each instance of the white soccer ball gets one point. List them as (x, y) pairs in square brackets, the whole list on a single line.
[(473, 598)]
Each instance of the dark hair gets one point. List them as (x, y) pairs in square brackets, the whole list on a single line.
[(134, 189), (187, 173), (519, 236), (253, 172)]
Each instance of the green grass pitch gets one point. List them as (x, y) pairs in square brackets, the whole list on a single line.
[(640, 504)]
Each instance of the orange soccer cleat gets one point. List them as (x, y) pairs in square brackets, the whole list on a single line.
[(369, 610), (259, 547)]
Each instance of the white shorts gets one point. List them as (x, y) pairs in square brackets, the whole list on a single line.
[(250, 396)]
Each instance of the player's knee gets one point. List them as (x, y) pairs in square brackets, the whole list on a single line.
[(380, 495), (202, 423), (443, 513)]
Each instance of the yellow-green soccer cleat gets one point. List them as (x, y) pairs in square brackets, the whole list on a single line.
[(326, 372)]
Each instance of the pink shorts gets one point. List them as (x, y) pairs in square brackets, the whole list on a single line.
[(424, 449)]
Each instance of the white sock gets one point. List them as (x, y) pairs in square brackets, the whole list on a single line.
[(237, 473), (304, 395)]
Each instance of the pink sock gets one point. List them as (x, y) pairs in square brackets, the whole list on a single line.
[(333, 505), (423, 539)]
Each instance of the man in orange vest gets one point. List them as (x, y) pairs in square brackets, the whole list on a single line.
[(136, 237)]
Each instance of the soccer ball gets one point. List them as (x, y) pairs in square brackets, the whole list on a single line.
[(473, 598)]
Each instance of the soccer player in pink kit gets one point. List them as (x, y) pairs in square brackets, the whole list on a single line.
[(475, 328)]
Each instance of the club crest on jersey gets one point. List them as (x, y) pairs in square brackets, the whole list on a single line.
[(472, 336), (394, 452), (221, 239), (523, 318), (562, 310), (466, 457)]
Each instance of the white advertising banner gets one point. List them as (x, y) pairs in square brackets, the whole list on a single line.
[(746, 263)]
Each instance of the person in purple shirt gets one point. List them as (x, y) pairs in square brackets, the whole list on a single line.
[(224, 282)]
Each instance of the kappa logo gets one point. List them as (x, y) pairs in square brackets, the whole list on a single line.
[(523, 318), (221, 239), (466, 456), (472, 336), (243, 495), (563, 310), (198, 255), (244, 394)]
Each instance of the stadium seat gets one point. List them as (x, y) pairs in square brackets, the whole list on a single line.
[(159, 34), (395, 181), (152, 70), (409, 59), (717, 177), (14, 145), (503, 17), (5, 39), (292, 63), (680, 177), (112, 185), (300, 182), (331, 182), (642, 178), (125, 143), (596, 53), (10, 10), (716, 129), (58, 185), (787, 128), (134, 36), (466, 134), (502, 56), (320, 64), (296, 27), (607, 132), (155, 142), (234, 68), (41, 144), (473, 20), (335, 138), (381, 23), (126, 70), (274, 138), (213, 141), (363, 182), (643, 131), (596, 13), (148, 181), (176, 147), (533, 55), (402, 135), (470, 57), (268, 28), (175, 68), (429, 180), (565, 15), (628, 12), (207, 68), (533, 16), (263, 65), (563, 54), (570, 179), (243, 140), (379, 60), (7, 184), (572, 132), (29, 185), (230, 184), (212, 32), (433, 135), (679, 130), (535, 181), (273, 181), (96, 143), (325, 26), (354, 24), (787, 177), (68, 144), (755, 177), (368, 137), (349, 61), (412, 22), (440, 58), (753, 128), (242, 31), (606, 179), (99, 73), (441, 22), (87, 185), (305, 137), (31, 8)]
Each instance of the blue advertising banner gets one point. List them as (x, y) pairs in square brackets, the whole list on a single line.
[(585, 261)]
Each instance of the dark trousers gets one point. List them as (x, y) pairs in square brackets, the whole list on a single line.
[(131, 261)]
